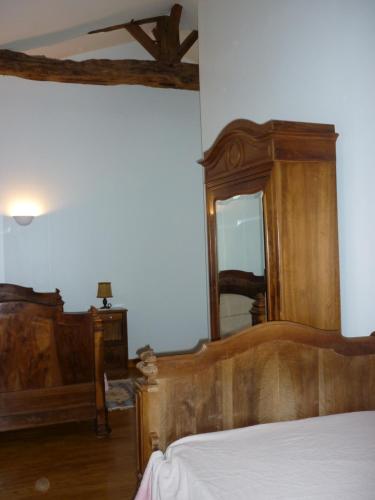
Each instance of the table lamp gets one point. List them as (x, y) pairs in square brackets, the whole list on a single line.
[(104, 291)]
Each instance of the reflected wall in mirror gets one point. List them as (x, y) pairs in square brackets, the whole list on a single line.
[(240, 250)]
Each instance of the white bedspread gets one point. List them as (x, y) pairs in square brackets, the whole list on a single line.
[(325, 458)]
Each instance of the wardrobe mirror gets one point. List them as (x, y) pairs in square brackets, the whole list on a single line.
[(240, 261)]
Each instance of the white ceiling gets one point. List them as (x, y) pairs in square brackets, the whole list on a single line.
[(57, 28)]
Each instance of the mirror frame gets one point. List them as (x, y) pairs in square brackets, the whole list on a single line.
[(240, 162), (224, 192)]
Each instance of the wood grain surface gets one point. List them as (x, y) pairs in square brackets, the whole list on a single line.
[(294, 165), (100, 71), (51, 362), (70, 461), (271, 372)]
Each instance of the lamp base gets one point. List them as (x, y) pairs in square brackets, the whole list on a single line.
[(106, 304)]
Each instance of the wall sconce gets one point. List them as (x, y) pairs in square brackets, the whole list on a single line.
[(23, 220)]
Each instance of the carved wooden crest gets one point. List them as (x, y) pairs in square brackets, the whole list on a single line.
[(246, 145)]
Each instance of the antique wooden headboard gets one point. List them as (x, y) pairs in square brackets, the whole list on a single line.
[(271, 372), (241, 283), (51, 362), (247, 284)]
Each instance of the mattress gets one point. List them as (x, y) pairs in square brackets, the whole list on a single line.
[(325, 458)]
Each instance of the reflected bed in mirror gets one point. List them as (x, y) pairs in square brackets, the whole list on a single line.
[(242, 300), (240, 250)]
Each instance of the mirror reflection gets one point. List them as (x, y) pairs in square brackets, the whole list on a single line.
[(241, 261)]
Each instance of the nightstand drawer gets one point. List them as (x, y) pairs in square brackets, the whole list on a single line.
[(115, 335), (116, 316), (113, 331)]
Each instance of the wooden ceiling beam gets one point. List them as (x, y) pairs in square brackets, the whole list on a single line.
[(144, 39), (175, 14), (187, 44), (170, 39), (166, 47), (100, 71), (115, 27), (167, 71)]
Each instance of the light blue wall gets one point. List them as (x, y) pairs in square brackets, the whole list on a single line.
[(305, 61), (115, 168)]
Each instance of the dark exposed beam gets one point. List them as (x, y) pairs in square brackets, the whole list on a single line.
[(100, 71), (166, 46), (166, 71), (124, 25), (187, 43), (175, 14), (142, 37)]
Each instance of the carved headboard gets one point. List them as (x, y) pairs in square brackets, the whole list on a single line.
[(17, 293), (271, 372), (244, 284), (241, 283)]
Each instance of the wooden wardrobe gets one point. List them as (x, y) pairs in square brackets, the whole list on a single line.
[(292, 166)]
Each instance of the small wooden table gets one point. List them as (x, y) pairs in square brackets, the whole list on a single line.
[(115, 341)]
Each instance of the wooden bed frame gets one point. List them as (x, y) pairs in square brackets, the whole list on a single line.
[(241, 283), (272, 372), (51, 362), (248, 284)]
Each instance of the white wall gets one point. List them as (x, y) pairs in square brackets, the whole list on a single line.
[(307, 61), (115, 169)]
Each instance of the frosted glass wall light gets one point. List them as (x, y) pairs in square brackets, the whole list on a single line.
[(23, 220)]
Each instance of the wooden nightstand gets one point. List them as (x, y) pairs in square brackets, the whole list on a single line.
[(115, 341)]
